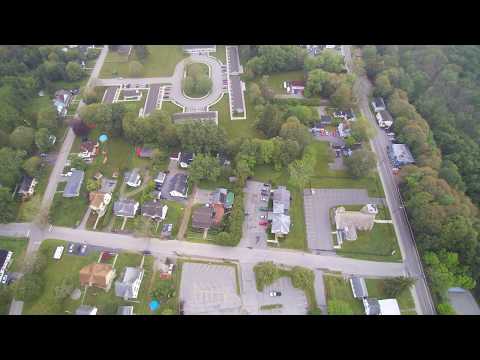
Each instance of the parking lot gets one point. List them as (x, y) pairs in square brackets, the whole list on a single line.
[(317, 205), (209, 289), (254, 234)]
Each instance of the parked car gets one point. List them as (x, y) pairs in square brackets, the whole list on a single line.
[(4, 279), (266, 185), (263, 209), (263, 216), (71, 247), (275, 293), (147, 252), (264, 199), (263, 223), (83, 249)]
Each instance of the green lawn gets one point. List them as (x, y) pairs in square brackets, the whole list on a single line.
[(337, 288), (236, 128), (68, 211), (18, 246), (161, 61), (28, 210), (153, 293), (174, 216), (221, 54), (376, 245), (67, 268), (170, 107), (297, 238), (405, 300), (275, 81)]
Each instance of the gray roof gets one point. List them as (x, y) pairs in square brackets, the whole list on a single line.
[(219, 196), (160, 177), (233, 59), (74, 183), (198, 47), (152, 208), (372, 305), (186, 157), (85, 310), (125, 310), (359, 288), (202, 217), (151, 102), (378, 101), (401, 154), (132, 176), (385, 115), (179, 183), (182, 117), (236, 94), (124, 288), (280, 224), (25, 184), (125, 207), (282, 195)]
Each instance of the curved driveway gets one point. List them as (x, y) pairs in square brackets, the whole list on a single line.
[(175, 80)]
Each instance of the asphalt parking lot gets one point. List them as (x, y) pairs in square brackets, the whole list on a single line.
[(209, 289), (319, 236), (254, 235)]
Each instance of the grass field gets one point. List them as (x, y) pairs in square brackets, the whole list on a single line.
[(57, 271), (405, 300), (236, 128), (276, 80), (337, 288), (161, 61), (174, 216), (18, 246), (68, 211), (170, 107), (221, 54), (297, 238)]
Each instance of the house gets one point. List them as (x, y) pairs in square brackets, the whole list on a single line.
[(378, 104), (344, 130), (384, 119), (160, 179), (219, 211), (89, 149), (203, 218), (99, 201), (74, 183), (98, 275), (219, 196), (381, 307), (130, 285), (5, 259), (144, 152), (295, 87), (175, 156), (155, 210), (359, 287), (132, 178), (86, 310), (400, 155), (27, 186), (351, 221), (345, 115), (281, 206), (125, 310), (196, 116), (179, 185), (125, 208), (61, 101), (186, 159)]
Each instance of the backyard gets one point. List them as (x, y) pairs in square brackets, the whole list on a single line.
[(161, 61)]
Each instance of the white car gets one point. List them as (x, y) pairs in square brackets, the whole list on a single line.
[(275, 293), (71, 247), (84, 155), (67, 174), (264, 199), (4, 279)]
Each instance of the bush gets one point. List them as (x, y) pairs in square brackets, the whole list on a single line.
[(315, 311), (302, 278), (445, 309), (395, 286), (30, 287), (265, 274)]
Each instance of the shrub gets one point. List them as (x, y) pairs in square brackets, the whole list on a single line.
[(265, 274), (445, 309), (302, 278)]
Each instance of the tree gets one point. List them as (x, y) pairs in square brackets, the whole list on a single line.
[(136, 69), (255, 94), (74, 71), (90, 96), (63, 290), (78, 163), (204, 167), (292, 129), (43, 141), (223, 238), (339, 307), (265, 274), (10, 166), (80, 128), (7, 206), (395, 286), (32, 165), (362, 129), (97, 115), (30, 287), (361, 163), (300, 172), (92, 185), (22, 138), (342, 97), (47, 118), (302, 278), (168, 311)]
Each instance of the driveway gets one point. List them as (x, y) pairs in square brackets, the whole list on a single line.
[(251, 227), (319, 236)]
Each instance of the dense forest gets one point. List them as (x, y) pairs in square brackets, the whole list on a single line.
[(433, 92)]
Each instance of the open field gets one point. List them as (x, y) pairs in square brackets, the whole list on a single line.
[(161, 61), (221, 54)]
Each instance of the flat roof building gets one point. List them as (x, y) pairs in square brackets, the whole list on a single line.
[(400, 155)]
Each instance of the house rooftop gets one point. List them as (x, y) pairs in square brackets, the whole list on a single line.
[(186, 157), (179, 183), (125, 310), (182, 117), (282, 195), (378, 101), (389, 307), (153, 209), (402, 153), (125, 207), (124, 288), (359, 287), (202, 217), (97, 274), (25, 184), (280, 224), (74, 183), (86, 310)]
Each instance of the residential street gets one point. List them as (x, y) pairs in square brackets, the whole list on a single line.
[(362, 89)]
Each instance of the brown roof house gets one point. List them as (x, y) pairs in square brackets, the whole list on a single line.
[(98, 275), (351, 221), (203, 217), (99, 201)]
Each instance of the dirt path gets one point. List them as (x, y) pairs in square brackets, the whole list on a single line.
[(186, 215)]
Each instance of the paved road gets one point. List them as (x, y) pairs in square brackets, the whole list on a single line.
[(362, 89), (42, 216), (175, 80), (188, 249), (317, 206)]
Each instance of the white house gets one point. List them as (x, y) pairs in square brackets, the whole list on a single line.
[(378, 104), (132, 178), (130, 285)]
